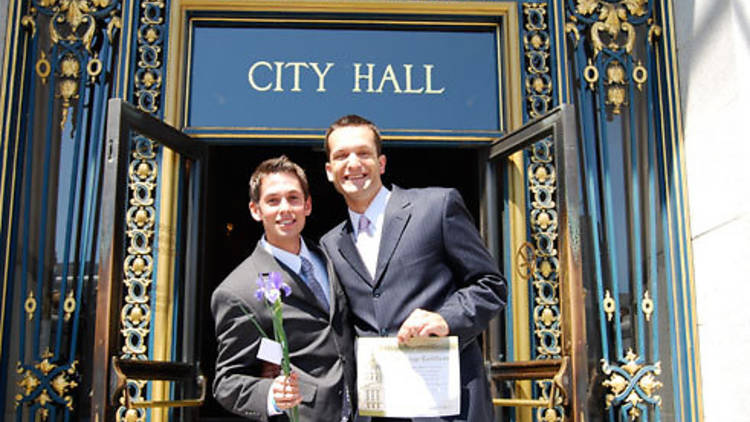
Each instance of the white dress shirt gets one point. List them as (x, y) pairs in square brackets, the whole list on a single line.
[(295, 264), (368, 243)]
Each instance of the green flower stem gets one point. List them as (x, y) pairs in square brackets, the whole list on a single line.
[(253, 320), (280, 336)]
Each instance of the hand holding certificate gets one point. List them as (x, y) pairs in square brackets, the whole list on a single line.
[(417, 379)]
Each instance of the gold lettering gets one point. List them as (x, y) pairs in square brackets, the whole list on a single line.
[(357, 77), (251, 77), (428, 80), (279, 66), (296, 66), (408, 90), (321, 76), (388, 75)]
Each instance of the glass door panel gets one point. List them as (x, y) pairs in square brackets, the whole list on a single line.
[(133, 380)]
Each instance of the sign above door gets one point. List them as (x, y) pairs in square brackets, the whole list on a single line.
[(246, 75)]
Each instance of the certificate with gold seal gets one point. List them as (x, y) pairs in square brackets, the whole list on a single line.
[(421, 379)]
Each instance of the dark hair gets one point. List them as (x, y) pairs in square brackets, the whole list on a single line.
[(276, 165), (353, 120)]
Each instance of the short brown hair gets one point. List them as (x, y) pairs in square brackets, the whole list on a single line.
[(280, 164), (353, 120)]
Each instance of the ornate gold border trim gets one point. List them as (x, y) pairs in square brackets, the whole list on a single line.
[(687, 261), (13, 21), (176, 91), (186, 69)]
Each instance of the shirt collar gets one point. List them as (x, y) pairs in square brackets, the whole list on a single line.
[(374, 212), (287, 258)]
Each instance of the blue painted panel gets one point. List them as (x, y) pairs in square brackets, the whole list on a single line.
[(244, 76)]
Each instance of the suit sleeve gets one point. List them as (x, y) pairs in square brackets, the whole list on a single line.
[(235, 386), (481, 290)]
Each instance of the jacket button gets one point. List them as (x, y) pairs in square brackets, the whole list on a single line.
[(342, 358), (375, 294), (340, 392), (383, 332)]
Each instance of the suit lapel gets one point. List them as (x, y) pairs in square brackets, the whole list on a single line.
[(397, 215), (349, 252)]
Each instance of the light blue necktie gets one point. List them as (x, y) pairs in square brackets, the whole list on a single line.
[(309, 275)]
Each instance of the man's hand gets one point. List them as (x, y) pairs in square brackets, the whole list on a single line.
[(285, 391), (421, 323)]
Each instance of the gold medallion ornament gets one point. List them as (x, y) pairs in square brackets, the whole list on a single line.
[(609, 305), (37, 381), (30, 305), (632, 385), (647, 306)]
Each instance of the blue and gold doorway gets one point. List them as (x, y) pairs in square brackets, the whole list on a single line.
[(613, 59)]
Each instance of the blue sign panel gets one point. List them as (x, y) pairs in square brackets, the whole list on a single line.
[(406, 77)]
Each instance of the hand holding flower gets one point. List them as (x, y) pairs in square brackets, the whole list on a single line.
[(286, 391), (270, 288)]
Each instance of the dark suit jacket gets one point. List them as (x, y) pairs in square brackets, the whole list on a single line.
[(431, 256), (320, 342)]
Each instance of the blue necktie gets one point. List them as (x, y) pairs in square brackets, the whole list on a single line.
[(309, 275)]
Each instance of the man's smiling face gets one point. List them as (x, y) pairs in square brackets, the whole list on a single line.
[(354, 166), (282, 209)]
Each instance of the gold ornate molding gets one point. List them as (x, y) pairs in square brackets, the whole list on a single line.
[(536, 44), (71, 26), (632, 385), (612, 27), (45, 376)]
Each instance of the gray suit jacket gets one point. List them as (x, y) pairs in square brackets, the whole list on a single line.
[(431, 256), (320, 342)]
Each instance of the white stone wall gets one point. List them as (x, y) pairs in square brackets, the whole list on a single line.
[(713, 39), (3, 29)]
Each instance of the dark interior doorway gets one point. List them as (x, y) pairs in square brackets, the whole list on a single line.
[(231, 234)]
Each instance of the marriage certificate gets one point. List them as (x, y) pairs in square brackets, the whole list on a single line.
[(421, 379)]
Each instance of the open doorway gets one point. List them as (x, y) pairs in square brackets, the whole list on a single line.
[(231, 234)]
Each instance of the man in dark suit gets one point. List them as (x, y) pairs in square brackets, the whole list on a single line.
[(315, 313), (411, 261)]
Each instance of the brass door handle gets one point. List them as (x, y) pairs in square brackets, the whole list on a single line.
[(132, 369), (557, 371)]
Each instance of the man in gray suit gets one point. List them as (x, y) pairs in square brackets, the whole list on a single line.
[(411, 261), (315, 313)]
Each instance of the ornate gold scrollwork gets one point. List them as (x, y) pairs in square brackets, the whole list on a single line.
[(73, 23), (131, 415), (623, 380), (571, 27), (611, 26), (653, 32), (536, 43), (612, 20), (615, 74), (114, 22), (543, 218), (29, 21), (616, 98), (35, 389)]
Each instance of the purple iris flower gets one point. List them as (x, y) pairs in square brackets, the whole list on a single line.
[(271, 285)]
